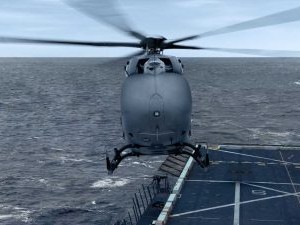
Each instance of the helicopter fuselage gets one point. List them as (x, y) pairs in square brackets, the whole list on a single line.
[(156, 107)]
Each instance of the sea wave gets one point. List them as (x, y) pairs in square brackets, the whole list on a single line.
[(66, 159), (147, 165), (14, 212), (3, 217), (258, 133), (110, 182), (280, 134), (72, 111)]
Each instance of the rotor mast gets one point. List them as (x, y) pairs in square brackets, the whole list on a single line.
[(153, 45)]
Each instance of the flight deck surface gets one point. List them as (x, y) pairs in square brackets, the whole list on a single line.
[(242, 186)]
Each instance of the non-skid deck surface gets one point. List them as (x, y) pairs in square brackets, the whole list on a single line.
[(243, 187)]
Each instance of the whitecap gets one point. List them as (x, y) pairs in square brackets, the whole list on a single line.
[(3, 217), (157, 161), (33, 138), (50, 184), (43, 181), (24, 215), (280, 134), (66, 159), (17, 213), (110, 182), (297, 82), (257, 133), (143, 164), (256, 98), (57, 149)]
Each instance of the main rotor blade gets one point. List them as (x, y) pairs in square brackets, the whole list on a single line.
[(105, 11), (138, 53), (120, 60), (273, 19), (67, 42), (259, 52), (181, 47), (182, 39)]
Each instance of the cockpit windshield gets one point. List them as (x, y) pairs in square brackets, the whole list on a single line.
[(154, 66)]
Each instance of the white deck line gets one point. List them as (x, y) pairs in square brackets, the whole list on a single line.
[(248, 182), (163, 216), (233, 204), (289, 175), (267, 188), (236, 217), (259, 157), (257, 147)]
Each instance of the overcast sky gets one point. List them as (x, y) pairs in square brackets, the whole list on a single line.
[(171, 18)]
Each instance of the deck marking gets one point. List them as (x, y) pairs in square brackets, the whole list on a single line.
[(236, 217), (249, 182), (257, 147), (259, 157), (267, 220), (259, 192), (267, 188), (287, 170), (232, 204), (202, 217), (212, 181), (247, 162)]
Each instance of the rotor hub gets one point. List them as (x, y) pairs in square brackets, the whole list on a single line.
[(153, 43)]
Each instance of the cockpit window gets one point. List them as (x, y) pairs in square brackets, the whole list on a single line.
[(154, 66), (140, 65), (168, 64)]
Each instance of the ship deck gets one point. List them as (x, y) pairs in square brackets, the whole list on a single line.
[(244, 185)]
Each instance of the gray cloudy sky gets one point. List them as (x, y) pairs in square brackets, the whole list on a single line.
[(171, 18)]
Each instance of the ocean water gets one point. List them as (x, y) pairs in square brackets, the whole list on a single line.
[(58, 117)]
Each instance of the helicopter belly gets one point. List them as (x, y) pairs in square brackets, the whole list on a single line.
[(156, 111)]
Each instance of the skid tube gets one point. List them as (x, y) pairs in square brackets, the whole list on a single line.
[(203, 161), (111, 165)]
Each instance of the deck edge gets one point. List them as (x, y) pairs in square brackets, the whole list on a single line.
[(163, 216)]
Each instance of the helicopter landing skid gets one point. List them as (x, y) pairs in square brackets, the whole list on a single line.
[(111, 165), (203, 161)]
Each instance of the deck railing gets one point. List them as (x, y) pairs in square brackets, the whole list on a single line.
[(143, 198)]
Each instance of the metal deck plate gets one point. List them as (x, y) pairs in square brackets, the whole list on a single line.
[(242, 187)]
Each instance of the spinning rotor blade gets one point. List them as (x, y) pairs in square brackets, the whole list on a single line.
[(105, 11), (138, 53), (182, 47), (273, 19), (181, 39), (287, 16), (67, 42), (120, 60), (261, 52)]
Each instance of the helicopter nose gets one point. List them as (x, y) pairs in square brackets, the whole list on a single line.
[(156, 110)]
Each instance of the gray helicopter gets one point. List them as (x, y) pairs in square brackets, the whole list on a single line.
[(156, 101)]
